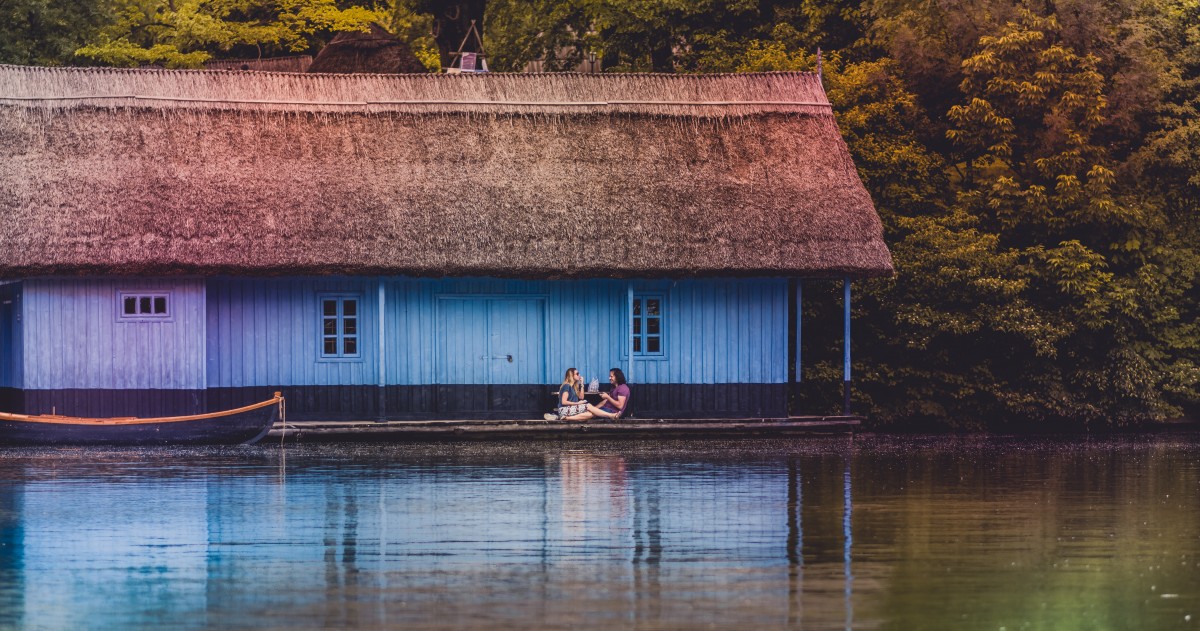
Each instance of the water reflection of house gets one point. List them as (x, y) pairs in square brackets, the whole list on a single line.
[(593, 491), (415, 246)]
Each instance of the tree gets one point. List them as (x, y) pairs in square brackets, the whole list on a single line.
[(186, 33), (661, 36), (46, 33), (558, 33), (451, 22), (411, 26), (1065, 259)]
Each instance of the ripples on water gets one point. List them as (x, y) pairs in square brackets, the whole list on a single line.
[(865, 532)]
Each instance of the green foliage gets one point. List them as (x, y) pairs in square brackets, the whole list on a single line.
[(1044, 241), (1097, 322), (665, 35), (46, 32), (879, 118), (401, 18), (1027, 133), (186, 33), (559, 34)]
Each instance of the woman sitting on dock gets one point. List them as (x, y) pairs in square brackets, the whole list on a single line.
[(571, 405)]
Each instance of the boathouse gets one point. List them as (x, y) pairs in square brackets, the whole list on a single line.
[(415, 246)]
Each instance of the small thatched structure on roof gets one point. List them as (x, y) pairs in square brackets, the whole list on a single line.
[(156, 172), (376, 51), (292, 63)]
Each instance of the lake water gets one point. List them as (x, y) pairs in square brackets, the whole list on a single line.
[(857, 532)]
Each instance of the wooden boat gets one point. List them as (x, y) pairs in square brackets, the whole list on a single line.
[(245, 425)]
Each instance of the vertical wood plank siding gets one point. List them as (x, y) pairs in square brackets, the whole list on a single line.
[(10, 336), (72, 339), (268, 332), (265, 332), (724, 342)]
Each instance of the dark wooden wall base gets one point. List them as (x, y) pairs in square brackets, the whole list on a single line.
[(355, 403)]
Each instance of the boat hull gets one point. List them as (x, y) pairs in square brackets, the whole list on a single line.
[(239, 427)]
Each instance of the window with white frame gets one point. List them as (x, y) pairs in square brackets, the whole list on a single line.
[(339, 326), (143, 306), (648, 325)]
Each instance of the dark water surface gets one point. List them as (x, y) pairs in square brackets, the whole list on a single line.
[(825, 533)]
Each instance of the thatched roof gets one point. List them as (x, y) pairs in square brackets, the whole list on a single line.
[(375, 51), (106, 171), (293, 63)]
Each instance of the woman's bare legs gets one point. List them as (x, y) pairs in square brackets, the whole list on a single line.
[(582, 416), (595, 411)]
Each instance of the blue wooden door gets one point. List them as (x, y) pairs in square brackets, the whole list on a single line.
[(464, 343), (515, 341), (490, 341)]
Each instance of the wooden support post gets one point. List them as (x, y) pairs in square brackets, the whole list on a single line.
[(382, 403), (382, 346), (629, 312), (846, 348), (799, 328)]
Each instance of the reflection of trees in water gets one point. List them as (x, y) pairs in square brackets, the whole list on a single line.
[(1082, 530)]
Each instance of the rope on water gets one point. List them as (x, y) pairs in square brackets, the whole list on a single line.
[(282, 419), (282, 435)]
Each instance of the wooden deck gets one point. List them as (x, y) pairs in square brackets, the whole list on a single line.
[(505, 429)]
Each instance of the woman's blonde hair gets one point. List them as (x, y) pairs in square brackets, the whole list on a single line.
[(568, 381)]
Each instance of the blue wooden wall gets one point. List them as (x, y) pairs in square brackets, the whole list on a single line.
[(72, 338), (265, 331), (10, 336), (261, 332)]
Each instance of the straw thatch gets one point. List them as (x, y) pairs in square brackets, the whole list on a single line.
[(375, 51), (193, 172), (293, 63)]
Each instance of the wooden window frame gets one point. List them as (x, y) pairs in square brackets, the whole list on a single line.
[(640, 334), (138, 295), (340, 335)]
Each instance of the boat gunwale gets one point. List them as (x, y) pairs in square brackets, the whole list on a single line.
[(134, 420)]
